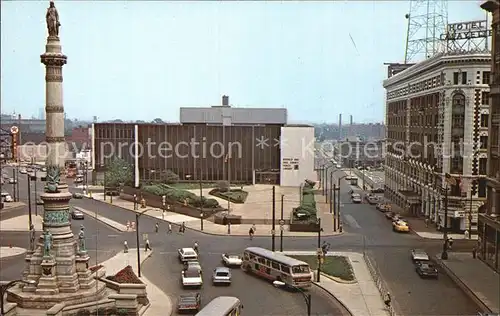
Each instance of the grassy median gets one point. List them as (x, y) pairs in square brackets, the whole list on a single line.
[(336, 266)]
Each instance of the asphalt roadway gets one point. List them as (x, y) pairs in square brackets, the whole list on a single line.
[(365, 228)]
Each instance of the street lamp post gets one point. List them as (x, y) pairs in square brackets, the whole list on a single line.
[(28, 177), (444, 254), (338, 203), (135, 202), (307, 297), (16, 198), (137, 215), (2, 157), (6, 286), (281, 224), (319, 249), (202, 201), (273, 229)]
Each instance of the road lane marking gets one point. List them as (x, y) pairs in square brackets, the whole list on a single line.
[(113, 236), (351, 221)]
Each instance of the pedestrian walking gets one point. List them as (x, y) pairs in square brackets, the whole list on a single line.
[(183, 227), (157, 226), (148, 246), (474, 253), (125, 247), (169, 228), (450, 243), (466, 234), (250, 233), (195, 247), (426, 221)]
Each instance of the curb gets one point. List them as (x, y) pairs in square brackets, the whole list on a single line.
[(462, 286), (216, 234), (100, 220), (14, 256), (334, 297)]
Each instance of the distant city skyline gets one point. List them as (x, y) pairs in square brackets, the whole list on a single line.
[(133, 61)]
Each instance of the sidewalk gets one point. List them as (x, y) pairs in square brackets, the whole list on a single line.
[(361, 298), (21, 223), (210, 227), (160, 303), (6, 252), (477, 280)]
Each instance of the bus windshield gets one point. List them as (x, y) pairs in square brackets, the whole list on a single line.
[(300, 269)]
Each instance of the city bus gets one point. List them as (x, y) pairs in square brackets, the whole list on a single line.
[(222, 306), (277, 267)]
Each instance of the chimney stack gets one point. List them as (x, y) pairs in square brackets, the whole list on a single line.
[(351, 119), (340, 126), (225, 100)]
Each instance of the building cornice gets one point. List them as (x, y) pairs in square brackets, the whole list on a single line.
[(436, 62)]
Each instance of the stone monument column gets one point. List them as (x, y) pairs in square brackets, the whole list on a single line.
[(58, 266)]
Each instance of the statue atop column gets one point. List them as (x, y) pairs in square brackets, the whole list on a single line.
[(81, 239), (32, 237), (47, 243), (52, 18)]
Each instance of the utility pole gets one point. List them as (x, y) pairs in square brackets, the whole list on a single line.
[(201, 204), (319, 250), (273, 231), (326, 185), (36, 192), (333, 209), (281, 227), (29, 200), (444, 254), (16, 198)]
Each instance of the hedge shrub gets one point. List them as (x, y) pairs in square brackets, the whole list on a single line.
[(180, 195), (308, 204)]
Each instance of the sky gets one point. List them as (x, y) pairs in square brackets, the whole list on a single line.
[(141, 60)]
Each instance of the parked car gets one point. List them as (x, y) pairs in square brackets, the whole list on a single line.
[(389, 214), (222, 275), (231, 260), (77, 214), (397, 217), (189, 302), (383, 207), (12, 181), (426, 270), (372, 200), (400, 227), (419, 255), (378, 190), (78, 196), (191, 278), (6, 197), (356, 198), (23, 171), (187, 254), (193, 265)]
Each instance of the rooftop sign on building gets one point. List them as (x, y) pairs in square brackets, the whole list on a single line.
[(470, 36)]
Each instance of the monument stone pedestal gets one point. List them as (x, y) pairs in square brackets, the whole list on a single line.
[(85, 276), (47, 283)]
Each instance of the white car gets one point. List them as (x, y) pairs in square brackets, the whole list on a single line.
[(419, 255), (191, 277), (187, 254), (23, 171), (12, 181), (231, 260)]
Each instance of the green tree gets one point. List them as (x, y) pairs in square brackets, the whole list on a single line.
[(118, 172), (169, 177)]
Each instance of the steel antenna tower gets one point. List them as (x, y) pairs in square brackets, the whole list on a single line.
[(427, 20)]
